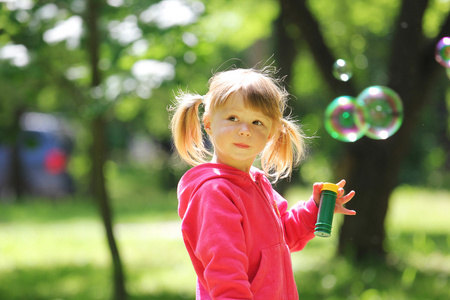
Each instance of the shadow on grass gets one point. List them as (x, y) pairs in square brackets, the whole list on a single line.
[(371, 280), (337, 279), (161, 297), (67, 282), (423, 242), (418, 263)]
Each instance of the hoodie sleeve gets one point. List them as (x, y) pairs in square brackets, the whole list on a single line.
[(213, 234), (298, 222)]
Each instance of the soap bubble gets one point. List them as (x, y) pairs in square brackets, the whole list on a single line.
[(383, 111), (342, 70), (442, 54), (344, 119)]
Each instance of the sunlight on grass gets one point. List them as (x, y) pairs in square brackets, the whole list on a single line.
[(418, 239), (30, 246), (54, 250), (153, 253), (412, 209), (419, 228)]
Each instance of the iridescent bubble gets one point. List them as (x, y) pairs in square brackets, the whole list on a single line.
[(344, 119), (442, 54), (342, 70), (383, 111)]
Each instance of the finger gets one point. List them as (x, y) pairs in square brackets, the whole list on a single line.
[(340, 192), (317, 187), (341, 183), (349, 212), (339, 209), (346, 198)]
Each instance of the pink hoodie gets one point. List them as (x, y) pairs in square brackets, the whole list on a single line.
[(239, 233)]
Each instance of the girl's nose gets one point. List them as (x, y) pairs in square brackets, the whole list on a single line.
[(244, 131)]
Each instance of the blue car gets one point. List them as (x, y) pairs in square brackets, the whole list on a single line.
[(42, 152)]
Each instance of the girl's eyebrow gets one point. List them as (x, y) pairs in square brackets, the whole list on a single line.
[(238, 111), (260, 116), (234, 110)]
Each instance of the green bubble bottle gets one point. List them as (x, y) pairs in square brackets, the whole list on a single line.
[(328, 196)]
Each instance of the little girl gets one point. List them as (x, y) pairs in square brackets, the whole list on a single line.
[(237, 229)]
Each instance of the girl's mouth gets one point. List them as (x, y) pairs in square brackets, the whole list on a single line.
[(239, 145)]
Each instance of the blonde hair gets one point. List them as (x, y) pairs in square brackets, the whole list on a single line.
[(262, 92)]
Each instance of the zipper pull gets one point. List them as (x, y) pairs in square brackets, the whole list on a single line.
[(275, 206)]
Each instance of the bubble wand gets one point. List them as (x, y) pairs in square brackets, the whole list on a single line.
[(328, 195)]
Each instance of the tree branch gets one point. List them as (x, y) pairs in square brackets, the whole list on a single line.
[(408, 29), (299, 14), (416, 62)]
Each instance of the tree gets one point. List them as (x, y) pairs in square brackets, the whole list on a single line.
[(371, 166), (84, 61), (99, 152)]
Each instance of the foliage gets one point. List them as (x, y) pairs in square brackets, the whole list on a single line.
[(356, 32), (183, 54), (173, 53)]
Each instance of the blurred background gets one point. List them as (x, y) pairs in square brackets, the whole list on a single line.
[(88, 175)]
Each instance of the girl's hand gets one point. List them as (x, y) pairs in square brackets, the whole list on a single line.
[(340, 200)]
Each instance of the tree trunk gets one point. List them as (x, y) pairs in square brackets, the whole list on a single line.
[(16, 168), (371, 167), (99, 153), (285, 53), (285, 48)]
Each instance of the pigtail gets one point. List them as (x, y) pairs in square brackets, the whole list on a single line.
[(284, 151), (187, 129)]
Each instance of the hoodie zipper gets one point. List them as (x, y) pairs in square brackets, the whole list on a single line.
[(277, 221), (273, 207)]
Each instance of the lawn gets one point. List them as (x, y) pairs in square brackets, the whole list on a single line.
[(57, 249)]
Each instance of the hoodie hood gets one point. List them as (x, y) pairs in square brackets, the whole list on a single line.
[(193, 179)]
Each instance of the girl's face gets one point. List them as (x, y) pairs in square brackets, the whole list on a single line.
[(237, 132)]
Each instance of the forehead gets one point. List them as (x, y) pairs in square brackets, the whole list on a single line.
[(236, 102), (260, 92)]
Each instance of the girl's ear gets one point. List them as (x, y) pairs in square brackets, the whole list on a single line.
[(275, 131), (207, 123)]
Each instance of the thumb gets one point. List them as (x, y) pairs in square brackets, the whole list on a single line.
[(317, 187)]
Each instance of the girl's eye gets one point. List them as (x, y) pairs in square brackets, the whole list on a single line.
[(257, 122), (233, 119)]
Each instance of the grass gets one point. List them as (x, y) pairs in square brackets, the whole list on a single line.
[(418, 262), (57, 249)]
